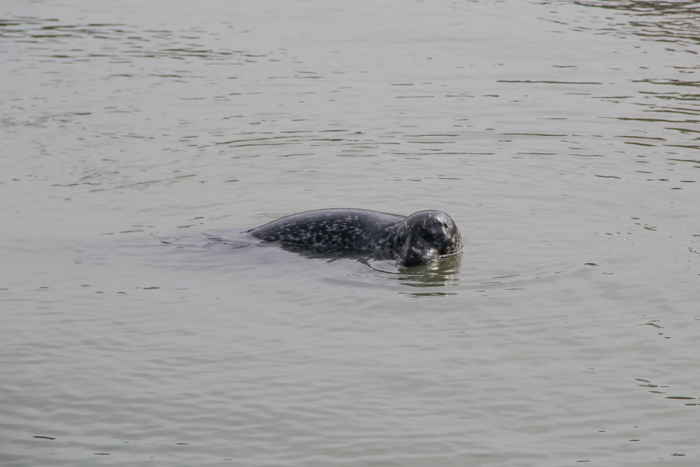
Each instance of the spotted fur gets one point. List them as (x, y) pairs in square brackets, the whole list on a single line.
[(417, 239)]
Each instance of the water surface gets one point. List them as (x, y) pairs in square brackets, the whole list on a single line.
[(561, 136)]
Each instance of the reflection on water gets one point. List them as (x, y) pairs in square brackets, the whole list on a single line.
[(670, 22), (124, 42), (656, 97), (441, 273), (221, 251)]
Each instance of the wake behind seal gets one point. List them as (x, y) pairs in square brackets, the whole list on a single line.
[(413, 240)]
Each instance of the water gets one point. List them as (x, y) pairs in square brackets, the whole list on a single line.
[(562, 137)]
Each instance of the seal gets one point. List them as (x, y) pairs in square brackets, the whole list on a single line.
[(413, 240)]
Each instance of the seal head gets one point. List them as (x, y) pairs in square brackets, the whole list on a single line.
[(424, 236)]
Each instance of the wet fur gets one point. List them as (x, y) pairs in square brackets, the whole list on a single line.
[(417, 239)]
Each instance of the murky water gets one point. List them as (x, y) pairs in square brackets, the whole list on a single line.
[(561, 136)]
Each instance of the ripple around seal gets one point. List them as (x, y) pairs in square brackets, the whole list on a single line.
[(223, 251)]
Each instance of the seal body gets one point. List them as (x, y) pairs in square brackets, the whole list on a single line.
[(417, 239)]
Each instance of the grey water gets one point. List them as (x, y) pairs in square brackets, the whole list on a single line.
[(562, 137)]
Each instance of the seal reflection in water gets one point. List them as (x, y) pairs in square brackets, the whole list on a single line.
[(414, 240)]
